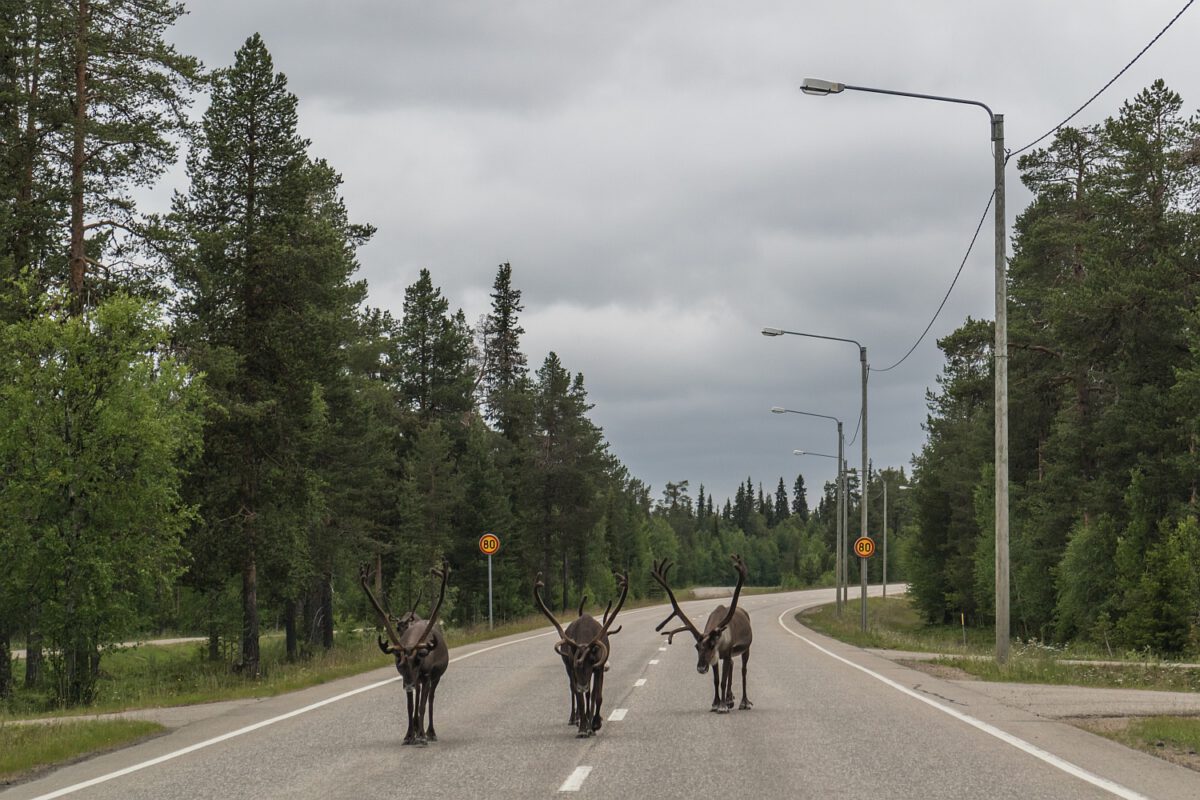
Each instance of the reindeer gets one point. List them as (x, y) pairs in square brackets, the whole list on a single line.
[(584, 650), (419, 648), (726, 634)]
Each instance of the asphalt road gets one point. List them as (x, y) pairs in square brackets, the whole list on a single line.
[(828, 721)]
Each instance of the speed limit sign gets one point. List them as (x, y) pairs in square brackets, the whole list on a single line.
[(864, 547), (489, 544)]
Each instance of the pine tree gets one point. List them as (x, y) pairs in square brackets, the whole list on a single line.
[(267, 312), (436, 380), (129, 91), (781, 501), (800, 499), (505, 369)]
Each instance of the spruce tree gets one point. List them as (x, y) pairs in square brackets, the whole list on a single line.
[(781, 501), (800, 499), (267, 312)]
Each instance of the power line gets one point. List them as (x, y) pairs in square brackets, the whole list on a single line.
[(1141, 53), (942, 305), (992, 196)]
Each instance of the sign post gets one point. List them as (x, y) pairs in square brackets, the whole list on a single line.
[(864, 547), (489, 545)]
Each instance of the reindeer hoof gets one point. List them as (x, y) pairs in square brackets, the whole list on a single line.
[(723, 710), (583, 734), (408, 740), (431, 737), (746, 705)]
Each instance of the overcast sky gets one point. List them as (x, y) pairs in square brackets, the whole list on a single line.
[(663, 190)]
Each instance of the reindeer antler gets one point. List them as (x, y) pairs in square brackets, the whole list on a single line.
[(623, 583), (442, 572), (537, 598), (659, 573), (383, 615), (740, 566)]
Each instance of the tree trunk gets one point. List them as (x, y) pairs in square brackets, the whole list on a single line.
[(6, 671), (327, 611), (250, 653), (34, 657), (289, 629), (78, 254)]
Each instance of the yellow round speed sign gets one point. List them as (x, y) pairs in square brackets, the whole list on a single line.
[(489, 544), (864, 547)]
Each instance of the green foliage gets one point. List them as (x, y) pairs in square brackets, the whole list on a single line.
[(1103, 397), (97, 423), (25, 748)]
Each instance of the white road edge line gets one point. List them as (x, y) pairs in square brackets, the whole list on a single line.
[(575, 780), (250, 728), (1059, 763), (640, 682), (654, 661), (618, 714)]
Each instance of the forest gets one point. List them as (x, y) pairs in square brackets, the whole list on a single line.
[(205, 428), (1104, 399)]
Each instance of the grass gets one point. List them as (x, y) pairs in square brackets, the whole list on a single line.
[(1022, 668), (150, 676), (27, 748), (894, 625), (1175, 739)]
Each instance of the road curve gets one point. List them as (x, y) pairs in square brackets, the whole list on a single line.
[(828, 721)]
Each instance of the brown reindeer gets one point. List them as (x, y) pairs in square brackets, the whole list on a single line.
[(726, 634), (419, 648), (584, 650)]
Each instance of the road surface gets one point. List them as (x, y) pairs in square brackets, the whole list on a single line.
[(829, 721)]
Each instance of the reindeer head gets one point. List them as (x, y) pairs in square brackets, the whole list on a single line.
[(410, 639), (584, 644), (707, 643)]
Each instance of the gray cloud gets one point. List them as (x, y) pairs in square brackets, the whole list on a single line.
[(663, 190)]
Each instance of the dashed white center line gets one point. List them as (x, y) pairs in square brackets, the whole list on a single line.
[(640, 682), (654, 661), (618, 714), (662, 649), (574, 781)]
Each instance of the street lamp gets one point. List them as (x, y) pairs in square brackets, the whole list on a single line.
[(843, 505), (862, 358), (840, 538), (885, 528), (815, 86)]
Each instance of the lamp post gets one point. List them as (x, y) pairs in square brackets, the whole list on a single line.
[(840, 538), (821, 87), (862, 359), (840, 564)]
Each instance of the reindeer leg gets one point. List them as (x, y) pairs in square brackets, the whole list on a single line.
[(410, 736), (574, 720), (433, 682), (746, 704), (717, 687), (422, 698), (597, 698), (582, 702), (727, 662)]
